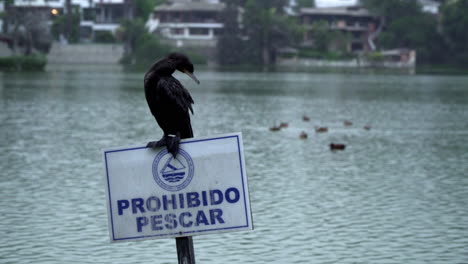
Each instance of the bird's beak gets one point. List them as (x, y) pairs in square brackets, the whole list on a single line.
[(191, 76)]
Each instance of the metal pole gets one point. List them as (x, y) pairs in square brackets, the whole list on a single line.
[(185, 252)]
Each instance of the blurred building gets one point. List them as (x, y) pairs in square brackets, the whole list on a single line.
[(185, 23), (399, 58), (103, 16), (356, 23), (96, 15), (189, 24), (430, 6), (335, 3)]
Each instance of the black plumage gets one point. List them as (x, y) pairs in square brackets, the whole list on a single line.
[(169, 101)]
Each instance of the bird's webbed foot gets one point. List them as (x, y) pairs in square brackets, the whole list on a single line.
[(171, 142), (156, 144)]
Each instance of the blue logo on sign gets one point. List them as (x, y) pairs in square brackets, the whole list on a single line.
[(173, 174)]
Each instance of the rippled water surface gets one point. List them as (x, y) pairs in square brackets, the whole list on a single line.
[(397, 194)]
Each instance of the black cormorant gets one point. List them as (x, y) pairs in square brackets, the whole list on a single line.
[(169, 101)]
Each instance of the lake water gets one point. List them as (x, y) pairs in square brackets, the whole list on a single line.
[(397, 194)]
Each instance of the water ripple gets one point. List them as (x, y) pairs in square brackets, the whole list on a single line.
[(395, 195)]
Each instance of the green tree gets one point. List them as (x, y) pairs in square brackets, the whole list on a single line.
[(393, 9), (269, 29), (27, 30), (61, 26), (327, 43), (143, 8), (141, 47), (407, 26), (454, 30), (418, 32), (306, 3), (231, 46), (321, 35), (130, 31), (264, 29), (149, 49)]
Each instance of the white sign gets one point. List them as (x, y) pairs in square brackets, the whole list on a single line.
[(151, 194)]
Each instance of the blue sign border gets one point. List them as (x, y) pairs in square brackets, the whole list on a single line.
[(179, 234)]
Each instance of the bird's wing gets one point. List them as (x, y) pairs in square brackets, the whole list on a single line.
[(171, 108), (172, 90)]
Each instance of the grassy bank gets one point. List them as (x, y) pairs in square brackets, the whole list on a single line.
[(441, 69), (23, 63)]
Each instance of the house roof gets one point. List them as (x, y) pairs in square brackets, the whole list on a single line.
[(191, 6), (343, 11)]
